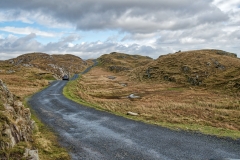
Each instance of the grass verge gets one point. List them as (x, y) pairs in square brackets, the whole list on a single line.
[(70, 91), (46, 141)]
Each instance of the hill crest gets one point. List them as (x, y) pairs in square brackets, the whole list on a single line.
[(56, 64), (211, 68)]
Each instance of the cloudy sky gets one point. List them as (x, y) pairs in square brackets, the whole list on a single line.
[(90, 28)]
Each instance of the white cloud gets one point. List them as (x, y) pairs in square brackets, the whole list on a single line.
[(15, 15), (130, 16), (27, 30), (5, 56), (191, 40), (230, 7), (227, 6), (71, 45), (139, 27)]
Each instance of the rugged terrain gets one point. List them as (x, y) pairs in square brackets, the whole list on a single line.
[(28, 73), (206, 68), (15, 125), (58, 65), (19, 78), (193, 90)]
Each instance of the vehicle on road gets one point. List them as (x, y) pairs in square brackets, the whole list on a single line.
[(65, 77)]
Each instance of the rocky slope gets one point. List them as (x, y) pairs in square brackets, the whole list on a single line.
[(208, 68), (15, 124)]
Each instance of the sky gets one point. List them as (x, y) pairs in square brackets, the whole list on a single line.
[(91, 28)]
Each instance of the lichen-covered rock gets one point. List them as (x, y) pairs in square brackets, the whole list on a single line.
[(15, 120)]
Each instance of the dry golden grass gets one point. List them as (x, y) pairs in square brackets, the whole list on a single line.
[(161, 102), (24, 81)]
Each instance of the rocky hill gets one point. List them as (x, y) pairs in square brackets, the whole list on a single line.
[(208, 68), (28, 73), (58, 65), (120, 62)]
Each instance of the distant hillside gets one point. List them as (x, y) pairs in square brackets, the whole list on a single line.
[(120, 62), (211, 68), (56, 64), (28, 73)]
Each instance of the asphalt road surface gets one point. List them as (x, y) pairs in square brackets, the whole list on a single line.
[(96, 135)]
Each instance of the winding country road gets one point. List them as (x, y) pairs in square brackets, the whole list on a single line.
[(93, 134)]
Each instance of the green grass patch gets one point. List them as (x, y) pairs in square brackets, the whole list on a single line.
[(209, 130)]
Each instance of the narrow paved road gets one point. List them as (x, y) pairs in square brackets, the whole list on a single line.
[(96, 135)]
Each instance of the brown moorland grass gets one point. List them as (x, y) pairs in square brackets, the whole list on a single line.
[(164, 103), (24, 81)]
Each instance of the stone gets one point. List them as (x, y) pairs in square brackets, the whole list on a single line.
[(123, 84), (132, 113), (195, 80), (148, 72), (132, 96), (111, 77), (168, 78), (186, 69), (31, 154)]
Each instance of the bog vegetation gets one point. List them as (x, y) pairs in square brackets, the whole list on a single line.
[(194, 90)]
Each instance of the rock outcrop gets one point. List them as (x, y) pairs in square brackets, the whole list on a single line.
[(16, 124)]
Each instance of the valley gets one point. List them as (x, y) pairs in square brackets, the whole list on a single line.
[(195, 92)]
